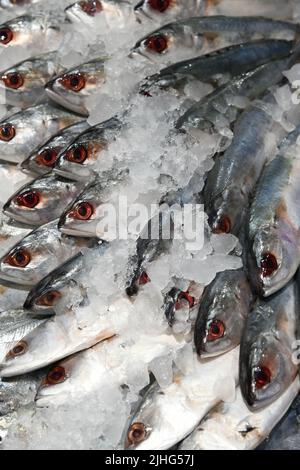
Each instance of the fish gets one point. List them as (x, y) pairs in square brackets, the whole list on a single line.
[(38, 32), (109, 10), (43, 159), (37, 254), (274, 222), (41, 200), (72, 88), (23, 131), (222, 313), (23, 84), (231, 182), (190, 37), (231, 426), (166, 10), (227, 62), (83, 217), (267, 367), (155, 424), (181, 304), (78, 161)]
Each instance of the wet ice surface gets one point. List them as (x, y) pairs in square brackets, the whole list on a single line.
[(91, 412)]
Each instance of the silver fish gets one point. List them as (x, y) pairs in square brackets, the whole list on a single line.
[(37, 254), (78, 160), (22, 132), (72, 88), (42, 200), (110, 10), (190, 37), (228, 62), (24, 83), (275, 220), (222, 314), (43, 159), (166, 10), (267, 367)]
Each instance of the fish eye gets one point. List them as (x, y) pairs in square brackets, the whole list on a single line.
[(91, 7), (19, 259), (216, 330), (6, 35), (28, 199), (262, 377), (7, 132), (157, 43), (184, 296), (47, 157), (159, 5), (136, 433), (73, 81), (56, 376), (83, 211), (49, 299), (77, 154), (13, 80), (18, 350), (268, 264), (143, 279), (222, 225)]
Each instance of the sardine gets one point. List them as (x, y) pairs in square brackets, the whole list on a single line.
[(167, 10), (267, 367), (74, 87), (43, 159), (109, 10), (22, 132), (79, 160), (41, 200)]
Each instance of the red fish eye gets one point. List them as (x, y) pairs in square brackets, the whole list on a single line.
[(216, 330), (160, 5), (49, 299), (74, 82), (19, 259), (83, 211), (13, 80), (262, 377), (6, 35), (7, 132), (268, 264), (136, 433), (78, 154), (91, 7), (158, 43), (222, 225), (19, 349), (56, 376), (29, 199), (143, 279), (47, 157), (184, 296)]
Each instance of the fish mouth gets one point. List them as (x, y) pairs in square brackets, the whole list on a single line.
[(14, 282), (67, 174), (75, 232), (64, 102)]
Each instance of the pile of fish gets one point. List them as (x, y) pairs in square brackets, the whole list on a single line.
[(133, 340)]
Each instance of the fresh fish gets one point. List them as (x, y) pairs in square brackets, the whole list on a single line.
[(41, 200), (37, 254), (39, 33), (221, 107), (82, 218), (230, 183), (274, 222), (155, 424), (110, 10), (75, 86), (22, 132), (286, 435), (227, 62), (24, 83), (231, 426), (167, 10), (190, 37), (222, 314), (78, 160), (43, 159), (267, 367), (181, 305)]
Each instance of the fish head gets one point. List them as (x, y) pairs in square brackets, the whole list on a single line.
[(86, 9), (226, 212), (273, 259), (43, 160), (77, 161), (72, 88), (20, 31), (164, 10)]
